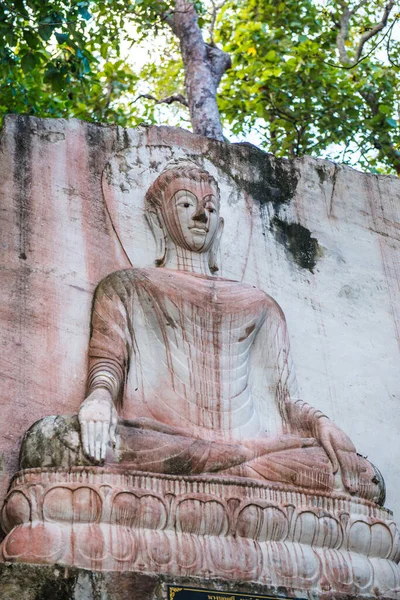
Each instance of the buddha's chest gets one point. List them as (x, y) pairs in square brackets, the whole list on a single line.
[(192, 344), (213, 316)]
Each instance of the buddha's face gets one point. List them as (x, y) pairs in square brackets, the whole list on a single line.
[(191, 213)]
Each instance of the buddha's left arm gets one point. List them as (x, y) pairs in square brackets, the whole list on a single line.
[(299, 417)]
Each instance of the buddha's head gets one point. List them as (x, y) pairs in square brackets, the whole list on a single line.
[(182, 207)]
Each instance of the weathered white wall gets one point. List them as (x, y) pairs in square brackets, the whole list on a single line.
[(72, 199)]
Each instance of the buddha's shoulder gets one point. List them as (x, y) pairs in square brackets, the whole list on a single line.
[(255, 292), (247, 294), (124, 279)]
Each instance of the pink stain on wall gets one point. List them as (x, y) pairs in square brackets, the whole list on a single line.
[(57, 245)]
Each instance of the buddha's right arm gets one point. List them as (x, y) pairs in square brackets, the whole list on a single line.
[(109, 351), (110, 340)]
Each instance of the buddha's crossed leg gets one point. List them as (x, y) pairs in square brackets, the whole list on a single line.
[(146, 445)]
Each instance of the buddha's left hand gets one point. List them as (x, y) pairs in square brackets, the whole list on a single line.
[(341, 452)]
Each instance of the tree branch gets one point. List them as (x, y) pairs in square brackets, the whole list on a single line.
[(110, 89), (376, 29), (344, 24), (169, 100), (214, 11), (390, 59)]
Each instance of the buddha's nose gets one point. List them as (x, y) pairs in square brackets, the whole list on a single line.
[(200, 215)]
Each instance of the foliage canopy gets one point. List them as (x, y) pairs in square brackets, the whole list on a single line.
[(292, 81)]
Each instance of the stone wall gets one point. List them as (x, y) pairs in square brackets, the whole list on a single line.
[(39, 582), (321, 238)]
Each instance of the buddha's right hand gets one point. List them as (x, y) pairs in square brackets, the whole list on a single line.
[(98, 420)]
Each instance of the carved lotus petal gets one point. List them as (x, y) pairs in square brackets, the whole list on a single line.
[(31, 542), (338, 569), (122, 544), (223, 556), (146, 511), (189, 554), (363, 574), (292, 562), (17, 510), (64, 504), (202, 517), (262, 524), (387, 576), (395, 554), (370, 539), (249, 559), (240, 561), (159, 547), (314, 530), (90, 541)]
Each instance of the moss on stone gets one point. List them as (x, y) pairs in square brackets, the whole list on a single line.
[(264, 177), (298, 241)]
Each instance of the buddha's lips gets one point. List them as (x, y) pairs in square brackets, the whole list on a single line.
[(198, 230)]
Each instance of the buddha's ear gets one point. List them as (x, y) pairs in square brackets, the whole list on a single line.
[(212, 257), (158, 232)]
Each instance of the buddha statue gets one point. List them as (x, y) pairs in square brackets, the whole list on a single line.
[(191, 373)]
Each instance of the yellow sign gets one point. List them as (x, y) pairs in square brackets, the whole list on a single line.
[(189, 593)]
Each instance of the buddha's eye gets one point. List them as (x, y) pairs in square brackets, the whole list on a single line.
[(186, 204), (211, 210)]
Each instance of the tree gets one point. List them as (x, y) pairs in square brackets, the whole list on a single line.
[(304, 76), (309, 78), (51, 65), (28, 63)]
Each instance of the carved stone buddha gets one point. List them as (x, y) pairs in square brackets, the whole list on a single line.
[(192, 454), (190, 373)]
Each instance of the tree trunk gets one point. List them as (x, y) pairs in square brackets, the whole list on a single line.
[(204, 66)]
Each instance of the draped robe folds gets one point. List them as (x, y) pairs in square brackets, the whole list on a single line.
[(200, 371)]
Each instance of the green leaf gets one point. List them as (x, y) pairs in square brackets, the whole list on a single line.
[(56, 78), (108, 69), (19, 5), (271, 55), (30, 38), (45, 32), (61, 37), (28, 62), (11, 38), (384, 109), (83, 11), (391, 122)]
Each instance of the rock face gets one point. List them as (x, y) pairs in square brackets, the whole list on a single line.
[(33, 582), (198, 367)]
